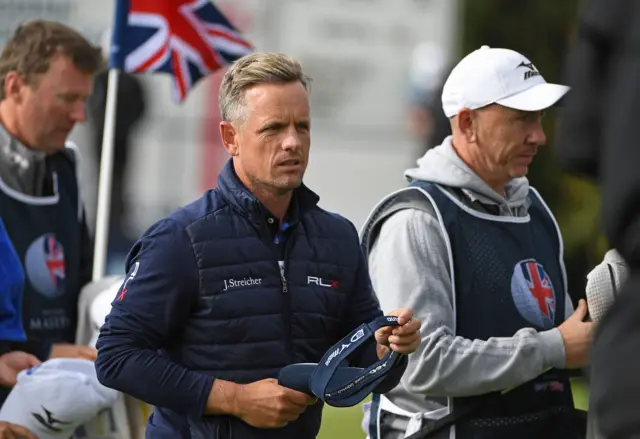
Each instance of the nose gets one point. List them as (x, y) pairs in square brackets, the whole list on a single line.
[(536, 135), (79, 112), (291, 140)]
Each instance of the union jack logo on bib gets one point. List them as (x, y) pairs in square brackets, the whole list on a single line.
[(533, 293)]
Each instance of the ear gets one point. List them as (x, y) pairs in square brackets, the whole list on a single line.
[(229, 136), (467, 124), (13, 85)]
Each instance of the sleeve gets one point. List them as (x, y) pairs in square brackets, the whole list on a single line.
[(363, 308), (363, 304), (151, 307), (410, 268)]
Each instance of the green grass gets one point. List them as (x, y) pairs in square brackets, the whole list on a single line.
[(580, 393), (344, 423)]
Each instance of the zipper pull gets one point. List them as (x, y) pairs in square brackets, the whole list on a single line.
[(283, 278)]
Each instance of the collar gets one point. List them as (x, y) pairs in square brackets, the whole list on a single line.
[(16, 154), (21, 168), (244, 201)]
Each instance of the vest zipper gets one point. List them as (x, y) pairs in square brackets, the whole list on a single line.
[(287, 299)]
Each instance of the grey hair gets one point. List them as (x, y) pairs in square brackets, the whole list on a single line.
[(254, 69)]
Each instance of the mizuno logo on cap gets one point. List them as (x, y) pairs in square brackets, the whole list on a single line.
[(337, 352), (531, 72), (48, 421)]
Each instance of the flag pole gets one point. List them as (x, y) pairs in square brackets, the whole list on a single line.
[(116, 64), (106, 177)]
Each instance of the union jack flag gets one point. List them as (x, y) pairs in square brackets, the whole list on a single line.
[(54, 260), (186, 38)]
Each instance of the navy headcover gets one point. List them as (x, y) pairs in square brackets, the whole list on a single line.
[(335, 383)]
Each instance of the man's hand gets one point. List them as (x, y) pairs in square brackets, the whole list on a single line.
[(13, 431), (261, 404), (404, 338), (12, 363), (64, 350), (577, 335), (266, 404)]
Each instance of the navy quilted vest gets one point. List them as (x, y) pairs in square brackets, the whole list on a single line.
[(258, 311)]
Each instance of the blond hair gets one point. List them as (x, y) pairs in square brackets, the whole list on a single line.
[(33, 44), (254, 69)]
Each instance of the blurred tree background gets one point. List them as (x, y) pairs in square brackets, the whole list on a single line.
[(542, 31)]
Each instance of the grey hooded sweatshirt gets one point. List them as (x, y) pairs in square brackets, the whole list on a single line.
[(409, 268)]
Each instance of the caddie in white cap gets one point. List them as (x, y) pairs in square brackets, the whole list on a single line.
[(476, 252), (498, 76)]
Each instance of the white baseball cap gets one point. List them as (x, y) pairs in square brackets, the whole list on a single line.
[(498, 76), (55, 398)]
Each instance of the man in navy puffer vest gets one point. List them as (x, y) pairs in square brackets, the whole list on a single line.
[(250, 278)]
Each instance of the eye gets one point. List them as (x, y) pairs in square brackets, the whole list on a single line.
[(534, 116), (271, 128), (70, 98)]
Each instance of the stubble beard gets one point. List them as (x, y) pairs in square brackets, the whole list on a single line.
[(278, 186)]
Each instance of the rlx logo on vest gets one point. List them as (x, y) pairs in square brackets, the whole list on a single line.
[(533, 293), (322, 282)]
